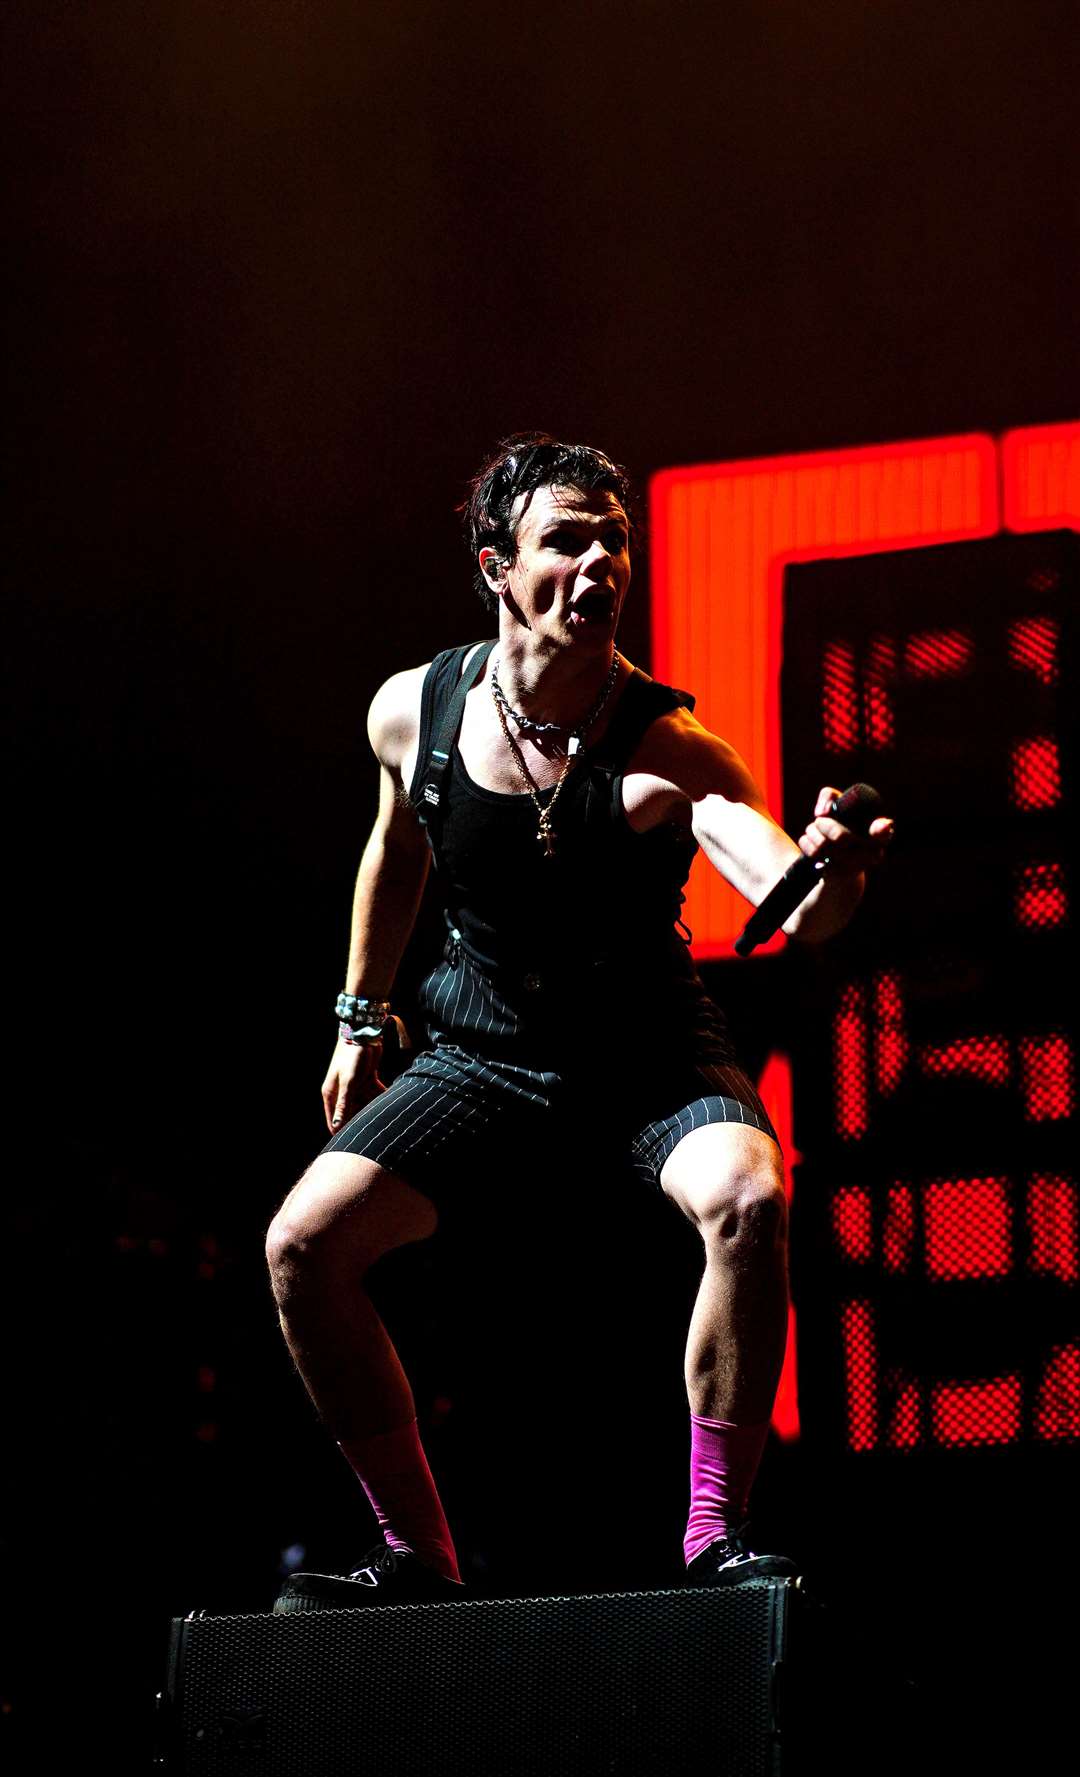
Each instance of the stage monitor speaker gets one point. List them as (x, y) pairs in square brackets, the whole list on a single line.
[(690, 1683)]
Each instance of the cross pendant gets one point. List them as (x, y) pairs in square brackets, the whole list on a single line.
[(547, 839)]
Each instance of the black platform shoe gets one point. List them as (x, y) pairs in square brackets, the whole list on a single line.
[(729, 1562), (385, 1576)]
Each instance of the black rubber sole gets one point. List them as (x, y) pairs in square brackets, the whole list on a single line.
[(334, 1591)]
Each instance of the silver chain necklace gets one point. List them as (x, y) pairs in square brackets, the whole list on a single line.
[(576, 729)]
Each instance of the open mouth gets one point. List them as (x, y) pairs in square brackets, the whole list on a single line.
[(592, 607)]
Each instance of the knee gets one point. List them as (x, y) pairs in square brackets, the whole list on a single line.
[(296, 1253), (344, 1214), (747, 1210), (309, 1243)]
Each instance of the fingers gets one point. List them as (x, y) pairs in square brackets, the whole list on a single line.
[(851, 851), (329, 1099), (351, 1083)]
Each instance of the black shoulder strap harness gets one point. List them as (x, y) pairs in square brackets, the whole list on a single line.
[(428, 800)]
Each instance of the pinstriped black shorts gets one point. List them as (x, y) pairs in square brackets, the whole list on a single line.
[(480, 1087)]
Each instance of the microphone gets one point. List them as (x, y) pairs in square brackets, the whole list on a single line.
[(856, 808)]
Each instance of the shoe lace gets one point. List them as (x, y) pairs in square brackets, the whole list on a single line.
[(734, 1546), (381, 1560)]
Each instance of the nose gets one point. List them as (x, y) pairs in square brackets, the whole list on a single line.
[(596, 562)]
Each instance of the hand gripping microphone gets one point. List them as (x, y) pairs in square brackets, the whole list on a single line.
[(856, 808)]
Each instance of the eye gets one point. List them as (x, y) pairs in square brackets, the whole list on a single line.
[(564, 542), (615, 542)]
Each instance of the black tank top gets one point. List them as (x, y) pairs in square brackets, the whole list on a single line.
[(608, 896)]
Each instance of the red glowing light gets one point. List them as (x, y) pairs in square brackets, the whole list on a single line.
[(839, 698), (980, 1058), (1040, 898), (852, 1107), (1033, 646), (1057, 1411), (967, 1228), (860, 1373), (1036, 772), (890, 1041), (880, 673), (722, 535), (905, 1419), (937, 654), (853, 1223), (774, 1087), (1046, 1068), (977, 1412), (899, 1231), (1041, 477), (1054, 1244)]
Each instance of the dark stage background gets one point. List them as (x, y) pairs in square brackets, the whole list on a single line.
[(281, 273)]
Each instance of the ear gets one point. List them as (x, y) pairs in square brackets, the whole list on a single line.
[(492, 566)]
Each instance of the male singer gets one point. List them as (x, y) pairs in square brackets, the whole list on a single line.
[(562, 794)]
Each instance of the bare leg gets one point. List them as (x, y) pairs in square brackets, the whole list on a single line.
[(345, 1213), (728, 1180)]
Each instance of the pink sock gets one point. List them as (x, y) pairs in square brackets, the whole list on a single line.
[(394, 1473), (724, 1459)]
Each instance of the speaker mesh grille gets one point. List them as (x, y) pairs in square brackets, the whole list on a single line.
[(672, 1682)]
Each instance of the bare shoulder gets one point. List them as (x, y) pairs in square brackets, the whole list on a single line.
[(394, 717), (679, 752)]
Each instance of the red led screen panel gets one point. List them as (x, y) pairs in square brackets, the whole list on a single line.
[(853, 1224), (722, 534), (1036, 773), (860, 1374), (936, 1086), (1033, 647), (774, 1086), (937, 654), (891, 1407), (1046, 1066), (1040, 896), (1053, 1227), (1040, 477), (1057, 1416), (967, 1228), (977, 1412)]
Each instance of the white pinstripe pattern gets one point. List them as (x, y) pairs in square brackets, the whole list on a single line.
[(449, 1096), (455, 1094), (736, 1102)]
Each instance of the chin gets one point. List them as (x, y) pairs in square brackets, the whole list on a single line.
[(592, 632)]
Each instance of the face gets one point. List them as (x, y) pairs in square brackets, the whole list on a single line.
[(571, 569)]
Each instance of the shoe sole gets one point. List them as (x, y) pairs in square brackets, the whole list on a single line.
[(332, 1591)]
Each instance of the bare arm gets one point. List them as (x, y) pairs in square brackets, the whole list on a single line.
[(702, 777), (740, 837), (389, 884)]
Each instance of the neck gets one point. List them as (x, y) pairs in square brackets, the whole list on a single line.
[(550, 687)]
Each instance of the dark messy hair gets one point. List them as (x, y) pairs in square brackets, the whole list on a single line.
[(520, 465)]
